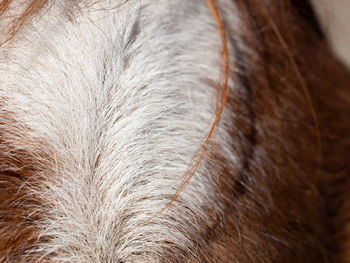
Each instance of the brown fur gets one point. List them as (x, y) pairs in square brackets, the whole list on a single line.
[(287, 201), (19, 206)]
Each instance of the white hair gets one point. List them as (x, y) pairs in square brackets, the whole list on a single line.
[(120, 101), (106, 108)]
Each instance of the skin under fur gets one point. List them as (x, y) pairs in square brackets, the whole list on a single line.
[(104, 106)]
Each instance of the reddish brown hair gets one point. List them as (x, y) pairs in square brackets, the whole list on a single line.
[(288, 199)]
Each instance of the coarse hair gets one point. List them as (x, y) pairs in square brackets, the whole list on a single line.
[(266, 181)]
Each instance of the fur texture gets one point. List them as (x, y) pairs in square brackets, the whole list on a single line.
[(104, 104), (119, 123)]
